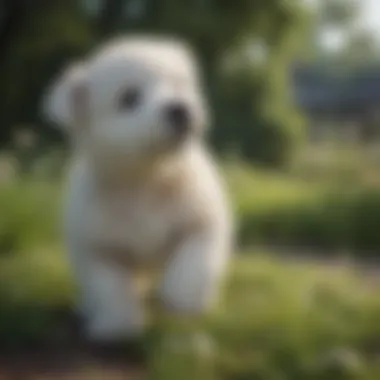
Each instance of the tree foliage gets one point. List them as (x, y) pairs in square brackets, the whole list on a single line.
[(251, 102)]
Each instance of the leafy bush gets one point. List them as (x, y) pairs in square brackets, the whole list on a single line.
[(270, 208), (336, 221), (34, 290), (283, 209), (28, 215), (256, 120)]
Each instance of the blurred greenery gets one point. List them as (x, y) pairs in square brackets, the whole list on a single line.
[(328, 200), (297, 321), (250, 112), (330, 203), (279, 319)]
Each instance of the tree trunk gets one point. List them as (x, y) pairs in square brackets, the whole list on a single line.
[(111, 16)]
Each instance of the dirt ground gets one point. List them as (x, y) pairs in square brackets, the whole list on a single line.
[(66, 355), (68, 363)]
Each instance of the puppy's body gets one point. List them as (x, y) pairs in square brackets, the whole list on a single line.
[(140, 195)]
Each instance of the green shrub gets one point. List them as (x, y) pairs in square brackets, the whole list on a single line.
[(270, 208), (256, 119), (28, 216), (34, 290), (332, 221), (275, 208)]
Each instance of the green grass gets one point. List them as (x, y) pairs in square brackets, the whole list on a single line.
[(288, 209), (270, 208), (29, 215), (339, 162), (298, 321), (278, 320), (35, 289), (259, 190)]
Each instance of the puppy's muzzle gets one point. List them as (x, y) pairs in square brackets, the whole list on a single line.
[(179, 119)]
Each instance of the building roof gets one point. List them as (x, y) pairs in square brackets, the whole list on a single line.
[(318, 89)]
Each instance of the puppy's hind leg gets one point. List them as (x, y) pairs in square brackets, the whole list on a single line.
[(108, 300)]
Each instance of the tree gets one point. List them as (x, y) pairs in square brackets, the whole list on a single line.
[(337, 13), (36, 38), (216, 29)]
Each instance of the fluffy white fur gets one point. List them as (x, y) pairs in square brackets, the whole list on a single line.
[(137, 197)]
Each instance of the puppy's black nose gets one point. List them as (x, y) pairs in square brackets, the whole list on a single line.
[(179, 118)]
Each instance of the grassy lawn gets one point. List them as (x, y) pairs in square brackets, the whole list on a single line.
[(278, 320), (332, 212), (286, 320)]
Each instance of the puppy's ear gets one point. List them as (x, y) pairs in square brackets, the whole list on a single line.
[(66, 102)]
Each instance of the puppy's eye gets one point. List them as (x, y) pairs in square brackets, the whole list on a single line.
[(129, 99)]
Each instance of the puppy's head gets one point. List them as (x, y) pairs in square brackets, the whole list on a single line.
[(137, 96)]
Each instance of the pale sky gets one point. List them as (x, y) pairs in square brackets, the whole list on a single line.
[(371, 14), (369, 18)]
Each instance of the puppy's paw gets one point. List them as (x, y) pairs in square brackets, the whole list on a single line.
[(133, 351), (108, 331)]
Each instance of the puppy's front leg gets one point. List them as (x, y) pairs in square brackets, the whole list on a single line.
[(188, 288), (111, 304), (191, 279)]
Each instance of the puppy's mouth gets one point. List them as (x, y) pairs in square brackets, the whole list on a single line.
[(182, 136), (168, 144)]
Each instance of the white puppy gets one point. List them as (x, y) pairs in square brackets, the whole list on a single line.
[(142, 189)]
